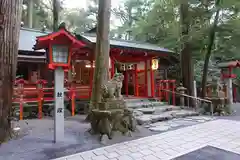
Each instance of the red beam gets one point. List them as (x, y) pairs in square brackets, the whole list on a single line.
[(131, 59)]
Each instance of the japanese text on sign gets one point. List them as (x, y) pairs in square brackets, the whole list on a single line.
[(59, 94), (59, 110)]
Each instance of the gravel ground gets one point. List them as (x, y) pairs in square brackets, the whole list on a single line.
[(35, 140)]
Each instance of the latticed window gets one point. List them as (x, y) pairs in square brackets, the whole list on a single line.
[(60, 54)]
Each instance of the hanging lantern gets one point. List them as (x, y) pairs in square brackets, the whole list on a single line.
[(154, 64)]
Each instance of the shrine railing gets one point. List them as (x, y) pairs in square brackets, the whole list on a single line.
[(39, 94), (197, 101)]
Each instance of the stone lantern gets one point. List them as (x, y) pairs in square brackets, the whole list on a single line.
[(181, 90)]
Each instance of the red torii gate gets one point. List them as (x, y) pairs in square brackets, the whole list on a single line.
[(227, 74)]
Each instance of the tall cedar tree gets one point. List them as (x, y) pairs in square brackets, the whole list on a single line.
[(209, 48), (101, 72), (56, 9), (186, 56), (10, 20)]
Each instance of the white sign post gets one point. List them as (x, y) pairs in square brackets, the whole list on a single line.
[(60, 56), (59, 105)]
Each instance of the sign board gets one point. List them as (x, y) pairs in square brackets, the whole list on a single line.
[(59, 105)]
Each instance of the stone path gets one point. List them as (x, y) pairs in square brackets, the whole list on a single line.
[(36, 137), (177, 123), (220, 133)]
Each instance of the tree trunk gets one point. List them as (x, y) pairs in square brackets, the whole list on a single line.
[(30, 13), (186, 56), (209, 49), (101, 72), (10, 20), (56, 9)]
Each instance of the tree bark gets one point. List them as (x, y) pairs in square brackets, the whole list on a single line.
[(209, 49), (56, 9), (101, 72), (10, 20), (186, 56), (30, 13)]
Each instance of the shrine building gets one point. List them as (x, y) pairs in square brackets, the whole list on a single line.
[(142, 64)]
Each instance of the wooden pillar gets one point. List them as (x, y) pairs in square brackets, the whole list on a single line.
[(91, 78), (126, 82), (152, 80), (146, 79), (136, 80), (234, 94), (112, 68)]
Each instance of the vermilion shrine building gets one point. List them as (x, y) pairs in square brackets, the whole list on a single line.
[(142, 64)]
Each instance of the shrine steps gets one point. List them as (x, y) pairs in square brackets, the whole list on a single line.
[(148, 111)]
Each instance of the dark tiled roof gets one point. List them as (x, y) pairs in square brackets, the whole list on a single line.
[(127, 44), (27, 39)]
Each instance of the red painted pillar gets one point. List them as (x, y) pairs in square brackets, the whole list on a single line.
[(234, 94), (72, 97), (160, 90), (91, 78), (112, 67), (126, 82), (40, 98), (20, 84), (21, 88), (136, 80), (167, 89), (146, 79), (152, 80)]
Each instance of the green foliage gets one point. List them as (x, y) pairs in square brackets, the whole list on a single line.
[(129, 13), (156, 21), (78, 20), (161, 25)]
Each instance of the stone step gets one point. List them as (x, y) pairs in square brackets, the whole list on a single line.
[(136, 105), (163, 116), (158, 109), (143, 103), (138, 99)]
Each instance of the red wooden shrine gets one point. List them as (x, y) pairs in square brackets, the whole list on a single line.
[(138, 64)]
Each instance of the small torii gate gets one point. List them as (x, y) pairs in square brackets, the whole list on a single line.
[(227, 75)]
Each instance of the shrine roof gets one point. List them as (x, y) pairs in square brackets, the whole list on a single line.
[(125, 43), (27, 39)]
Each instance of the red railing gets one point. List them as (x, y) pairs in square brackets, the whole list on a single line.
[(160, 91), (39, 94)]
